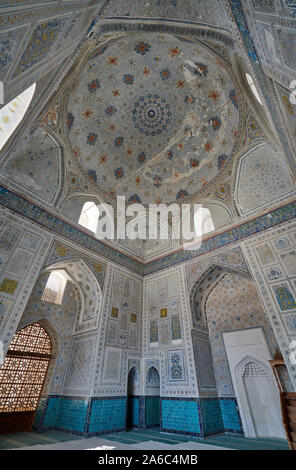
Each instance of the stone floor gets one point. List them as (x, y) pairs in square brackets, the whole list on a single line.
[(148, 439)]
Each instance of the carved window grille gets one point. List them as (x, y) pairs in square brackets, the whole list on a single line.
[(24, 369), (55, 286)]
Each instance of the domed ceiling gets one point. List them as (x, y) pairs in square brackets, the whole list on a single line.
[(153, 117)]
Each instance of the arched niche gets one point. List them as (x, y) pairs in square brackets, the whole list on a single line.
[(152, 382), (74, 205), (36, 166), (258, 398), (88, 290), (55, 339), (133, 381), (133, 406), (263, 178), (152, 400), (203, 283), (147, 247)]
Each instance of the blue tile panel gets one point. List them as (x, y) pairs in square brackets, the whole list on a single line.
[(39, 415), (211, 416), (66, 413), (51, 413), (180, 416), (133, 410), (72, 415), (230, 415), (152, 411), (83, 416), (106, 415)]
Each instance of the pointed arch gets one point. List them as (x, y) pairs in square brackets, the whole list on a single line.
[(213, 270)]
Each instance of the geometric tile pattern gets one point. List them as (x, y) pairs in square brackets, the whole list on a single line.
[(8, 286)]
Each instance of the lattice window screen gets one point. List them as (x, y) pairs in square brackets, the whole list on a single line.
[(24, 369), (55, 286)]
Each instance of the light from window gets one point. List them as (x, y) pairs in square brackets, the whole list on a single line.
[(253, 88), (89, 216), (55, 287), (12, 113), (203, 222)]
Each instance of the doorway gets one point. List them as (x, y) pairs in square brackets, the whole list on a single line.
[(22, 376)]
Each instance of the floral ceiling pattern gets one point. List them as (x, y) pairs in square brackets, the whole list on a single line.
[(153, 117)]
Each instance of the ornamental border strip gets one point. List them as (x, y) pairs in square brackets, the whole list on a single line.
[(48, 220)]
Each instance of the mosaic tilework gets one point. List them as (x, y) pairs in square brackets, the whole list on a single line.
[(39, 44), (291, 7), (8, 286), (152, 411), (107, 415), (232, 304), (236, 9), (275, 308), (178, 9), (51, 412), (84, 417), (120, 69), (35, 165), (72, 415), (176, 367), (133, 404), (230, 415), (211, 416), (123, 325), (204, 364), (284, 297), (44, 218), (254, 130), (40, 412), (290, 321), (16, 237), (61, 316), (10, 40), (80, 362), (263, 176), (180, 416)]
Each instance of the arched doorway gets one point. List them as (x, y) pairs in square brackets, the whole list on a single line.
[(152, 392), (22, 376)]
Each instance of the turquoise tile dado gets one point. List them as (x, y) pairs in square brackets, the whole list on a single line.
[(72, 415), (230, 415), (133, 410), (180, 416), (152, 411), (66, 414), (107, 415), (51, 412), (211, 416)]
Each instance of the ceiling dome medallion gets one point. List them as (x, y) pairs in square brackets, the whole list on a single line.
[(153, 117)]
